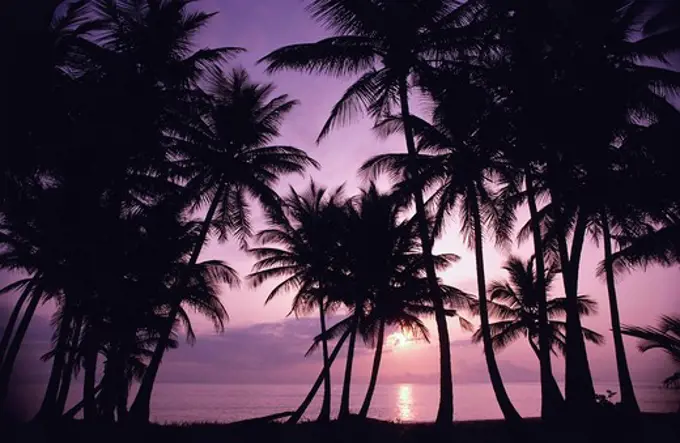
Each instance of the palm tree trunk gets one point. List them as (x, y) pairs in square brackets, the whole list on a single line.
[(47, 409), (579, 390), (71, 413), (553, 388), (550, 404), (141, 407), (628, 400), (13, 350), (325, 414), (90, 367), (11, 322), (122, 400), (317, 384), (114, 370), (65, 384), (344, 401), (508, 410), (107, 397), (374, 372), (445, 410)]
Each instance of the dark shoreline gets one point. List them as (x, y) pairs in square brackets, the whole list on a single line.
[(663, 428)]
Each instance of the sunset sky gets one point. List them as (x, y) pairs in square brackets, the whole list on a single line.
[(261, 345)]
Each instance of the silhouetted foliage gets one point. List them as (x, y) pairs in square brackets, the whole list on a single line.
[(117, 132), (665, 336)]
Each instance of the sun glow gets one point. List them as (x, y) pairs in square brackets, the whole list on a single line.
[(399, 340)]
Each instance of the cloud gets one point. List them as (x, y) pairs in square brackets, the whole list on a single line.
[(273, 352), (260, 353)]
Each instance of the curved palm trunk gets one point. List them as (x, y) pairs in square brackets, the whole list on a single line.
[(317, 384), (65, 384), (13, 350), (89, 389), (553, 389), (325, 414), (121, 406), (508, 410), (374, 372), (114, 371), (141, 407), (344, 401), (628, 400), (551, 404), (579, 390), (48, 407), (107, 397), (71, 413), (11, 322), (445, 410)]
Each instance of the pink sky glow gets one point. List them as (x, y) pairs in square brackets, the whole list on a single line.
[(270, 348)]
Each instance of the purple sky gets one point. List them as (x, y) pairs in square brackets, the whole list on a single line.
[(261, 345)]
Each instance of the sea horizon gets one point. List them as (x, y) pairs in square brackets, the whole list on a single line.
[(181, 402)]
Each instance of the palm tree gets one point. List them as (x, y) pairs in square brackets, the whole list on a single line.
[(25, 285), (515, 304), (401, 307), (34, 243), (457, 166), (130, 337), (590, 68), (386, 43), (305, 256), (46, 40), (144, 96), (385, 269), (666, 336), (228, 156)]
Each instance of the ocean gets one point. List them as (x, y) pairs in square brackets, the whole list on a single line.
[(179, 402)]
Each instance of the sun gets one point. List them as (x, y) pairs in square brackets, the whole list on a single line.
[(398, 340)]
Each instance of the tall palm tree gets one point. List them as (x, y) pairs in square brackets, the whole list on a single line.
[(401, 307), (302, 247), (622, 90), (228, 156), (145, 83), (385, 269), (665, 336), (459, 169), (386, 43), (46, 40), (588, 67), (35, 243), (515, 304), (25, 285), (130, 337)]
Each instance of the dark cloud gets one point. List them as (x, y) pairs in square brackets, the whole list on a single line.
[(274, 353), (260, 353)]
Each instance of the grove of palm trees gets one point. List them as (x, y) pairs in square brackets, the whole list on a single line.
[(128, 148)]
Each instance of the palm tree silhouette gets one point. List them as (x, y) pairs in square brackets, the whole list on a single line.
[(515, 304), (385, 280), (665, 336), (584, 71), (35, 243), (387, 43), (46, 40), (386, 262), (306, 256), (229, 159), (458, 169)]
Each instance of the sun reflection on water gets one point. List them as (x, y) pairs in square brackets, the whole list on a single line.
[(405, 403)]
